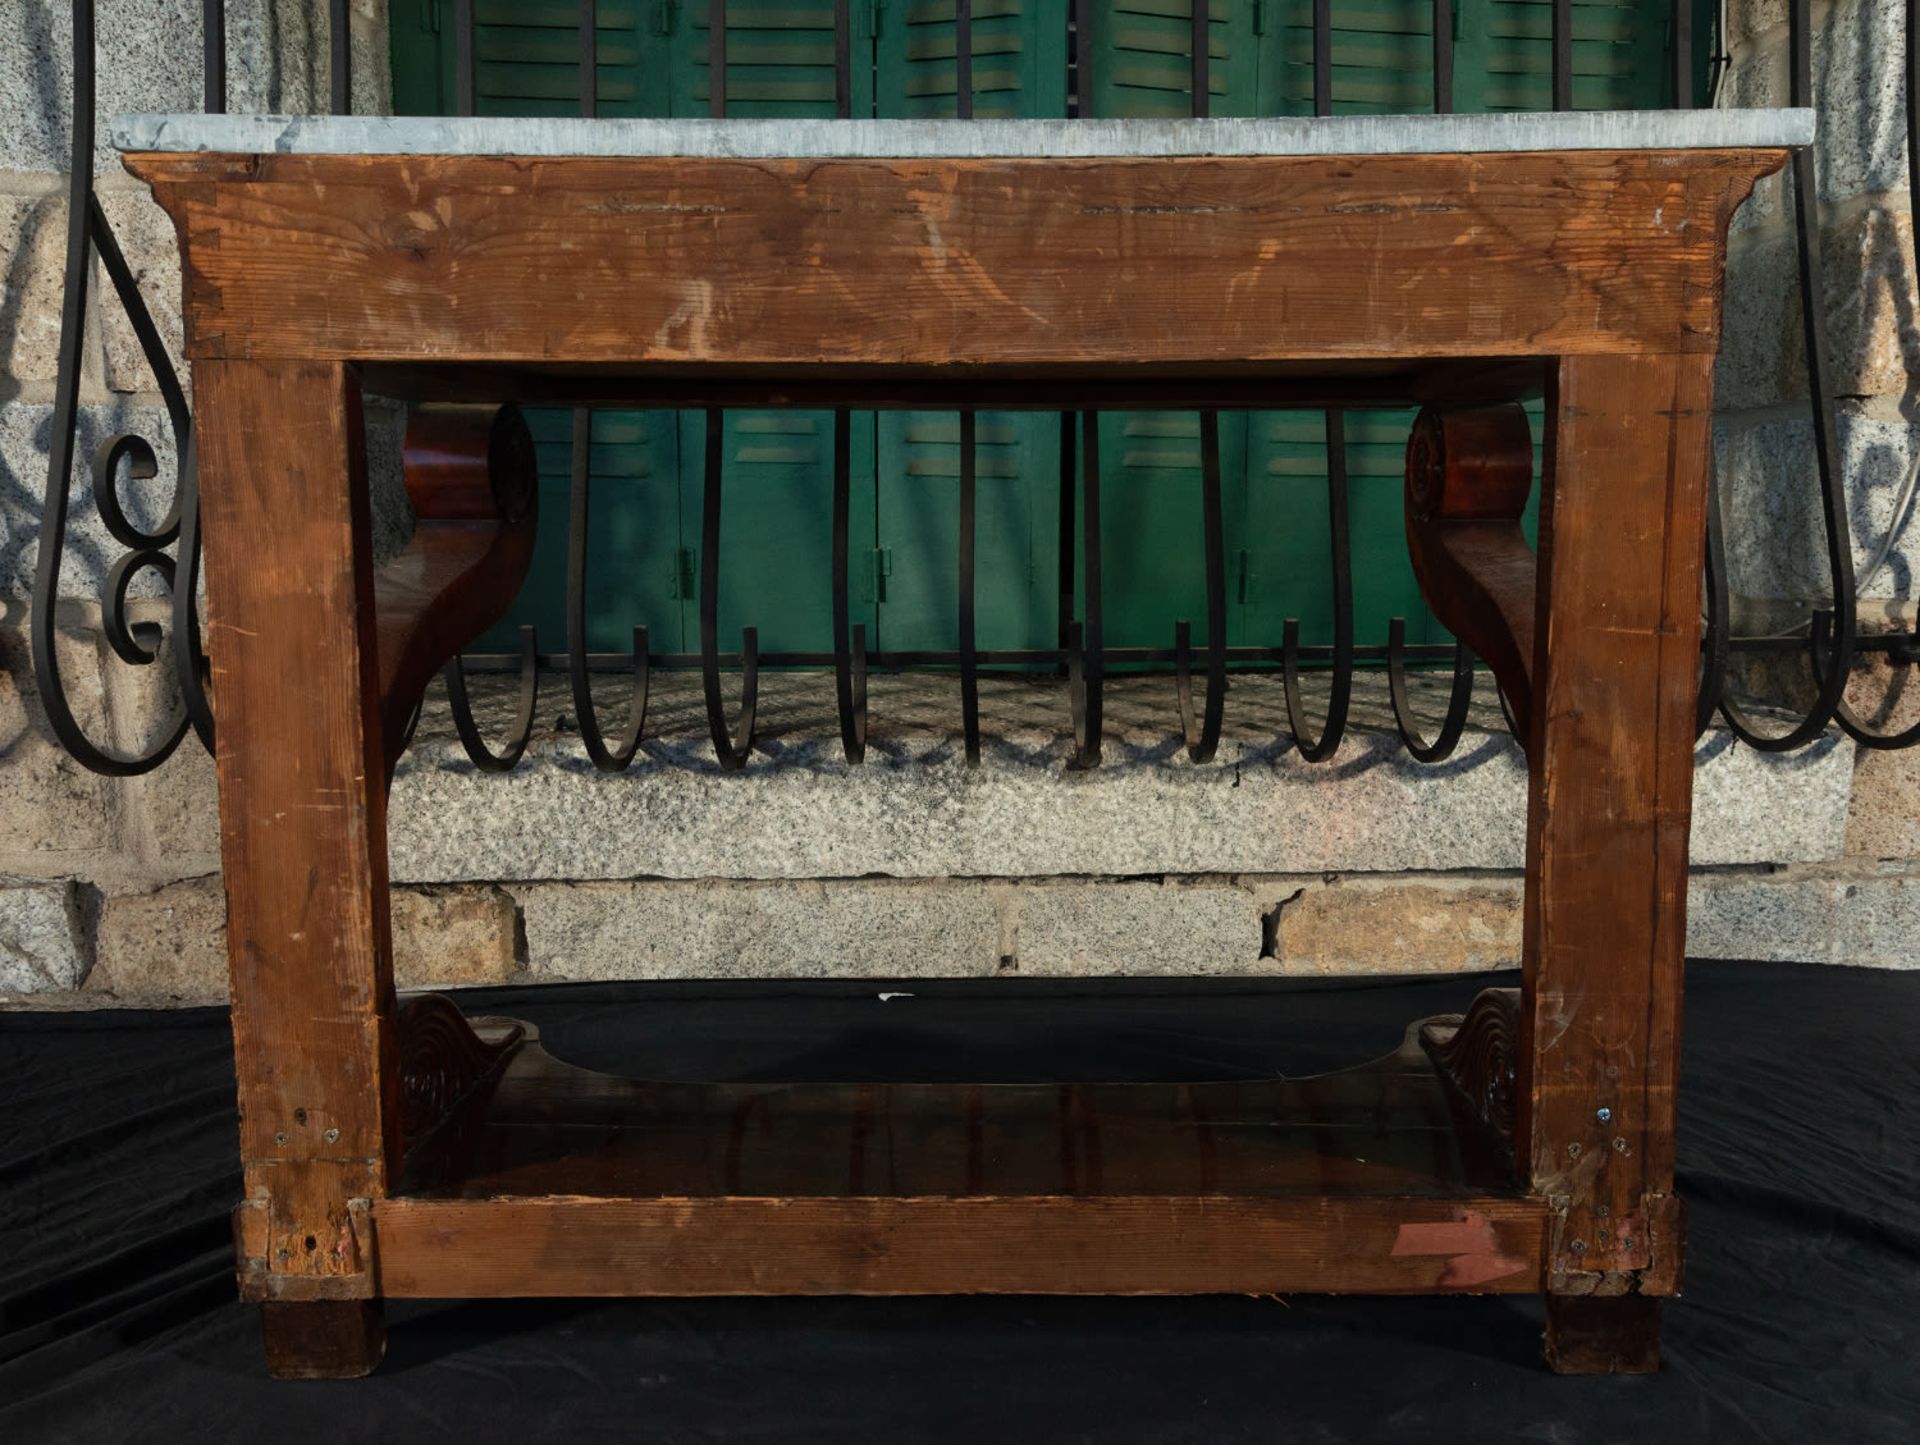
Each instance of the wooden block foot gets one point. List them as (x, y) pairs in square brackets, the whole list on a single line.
[(324, 1339), (1603, 1334)]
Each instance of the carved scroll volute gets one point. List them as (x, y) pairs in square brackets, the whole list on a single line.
[(1469, 474), (471, 476), (1478, 1054), (442, 1061), (469, 463)]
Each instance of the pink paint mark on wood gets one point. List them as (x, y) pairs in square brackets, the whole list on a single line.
[(1476, 1255)]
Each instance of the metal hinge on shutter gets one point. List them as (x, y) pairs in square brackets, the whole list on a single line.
[(873, 586), (666, 15), (875, 9), (681, 588), (430, 16), (1243, 571)]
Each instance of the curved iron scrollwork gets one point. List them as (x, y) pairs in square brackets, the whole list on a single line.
[(732, 741), (607, 759), (1334, 728), (1830, 641), (89, 234), (1459, 699), (1203, 739), (478, 751)]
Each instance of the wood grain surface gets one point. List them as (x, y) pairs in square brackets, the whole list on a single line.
[(951, 263), (303, 827), (1610, 800), (443, 1248)]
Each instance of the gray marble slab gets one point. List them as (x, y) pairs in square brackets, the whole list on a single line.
[(903, 139)]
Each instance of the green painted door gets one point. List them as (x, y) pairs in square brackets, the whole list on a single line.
[(776, 533)]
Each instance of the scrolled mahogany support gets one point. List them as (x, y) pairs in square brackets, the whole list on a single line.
[(1478, 1054), (1469, 474), (442, 1061), (470, 474)]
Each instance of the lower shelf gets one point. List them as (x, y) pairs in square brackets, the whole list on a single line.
[(555, 1180)]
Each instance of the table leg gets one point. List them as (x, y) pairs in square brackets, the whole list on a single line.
[(303, 844), (1616, 659)]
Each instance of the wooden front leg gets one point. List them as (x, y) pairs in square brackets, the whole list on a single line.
[(1615, 669), (303, 844)]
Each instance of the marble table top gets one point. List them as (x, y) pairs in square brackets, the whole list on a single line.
[(907, 139)]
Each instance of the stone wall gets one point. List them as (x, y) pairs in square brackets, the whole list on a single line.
[(914, 866)]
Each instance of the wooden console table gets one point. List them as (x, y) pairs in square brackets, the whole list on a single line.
[(1462, 263)]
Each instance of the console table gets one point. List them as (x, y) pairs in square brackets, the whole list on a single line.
[(392, 1149)]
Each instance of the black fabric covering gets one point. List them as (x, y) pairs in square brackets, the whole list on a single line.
[(1800, 1135)]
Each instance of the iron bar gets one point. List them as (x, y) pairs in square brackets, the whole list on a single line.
[(464, 79), (1064, 547), (1680, 54), (607, 759), (1831, 680), (1715, 624), (843, 58), (1247, 660), (1459, 698), (1563, 54), (1343, 658), (478, 751), (1443, 57), (732, 742), (717, 59), (1083, 67), (1199, 80), (589, 58), (1323, 57), (969, 658), (1203, 739), (340, 57), (213, 56), (849, 640), (1086, 661), (962, 59)]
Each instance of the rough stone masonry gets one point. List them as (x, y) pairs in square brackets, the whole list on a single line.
[(913, 865)]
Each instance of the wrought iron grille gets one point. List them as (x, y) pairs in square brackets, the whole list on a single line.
[(1829, 644)]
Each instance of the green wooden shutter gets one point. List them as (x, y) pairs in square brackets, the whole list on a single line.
[(1019, 59), (1284, 566), (635, 568), (1504, 56), (1015, 529), (779, 59), (776, 535), (527, 57), (1382, 52), (1143, 57), (1153, 567)]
